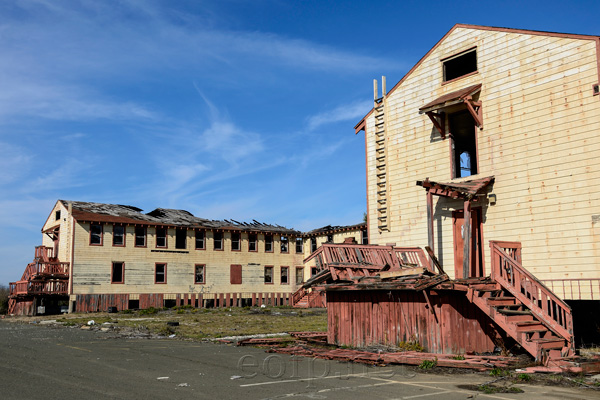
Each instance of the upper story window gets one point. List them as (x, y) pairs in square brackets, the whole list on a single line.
[(252, 242), (96, 234), (460, 64), (299, 245), (236, 241), (313, 244), (161, 237), (364, 236), (330, 238), (140, 236), (463, 145), (180, 238), (218, 240), (118, 235), (200, 239), (284, 244), (57, 215), (269, 243)]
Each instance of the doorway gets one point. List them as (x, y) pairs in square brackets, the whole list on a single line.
[(476, 267)]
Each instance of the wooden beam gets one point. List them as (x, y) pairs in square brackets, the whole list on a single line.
[(467, 240), (430, 240), (438, 120), (402, 272), (434, 259)]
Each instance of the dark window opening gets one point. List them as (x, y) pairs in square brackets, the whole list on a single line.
[(96, 234), (313, 245), (57, 215), (218, 240), (268, 274), (313, 271), (299, 245), (118, 235), (299, 276), (284, 275), (235, 274), (160, 273), (199, 239), (464, 145), (199, 273), (459, 65), (365, 236), (118, 272), (284, 244), (268, 243), (330, 238), (180, 238), (161, 237), (140, 236), (252, 242), (235, 242)]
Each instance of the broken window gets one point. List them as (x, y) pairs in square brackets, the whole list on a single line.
[(199, 273), (299, 275), (117, 274), (299, 245), (160, 273), (364, 236), (200, 239), (161, 237), (269, 274), (218, 240), (313, 271), (235, 274), (464, 144), (180, 238), (140, 236), (313, 244), (118, 235), (460, 65), (252, 242), (235, 241), (330, 238), (284, 244), (285, 275), (96, 234), (269, 243)]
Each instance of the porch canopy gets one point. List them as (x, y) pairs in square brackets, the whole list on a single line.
[(435, 109), (469, 191)]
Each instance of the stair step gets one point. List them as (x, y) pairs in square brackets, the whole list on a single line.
[(485, 287), (513, 312), (513, 319), (530, 326), (554, 343), (501, 301)]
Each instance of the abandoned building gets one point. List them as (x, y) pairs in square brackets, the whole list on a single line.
[(99, 257), (485, 154)]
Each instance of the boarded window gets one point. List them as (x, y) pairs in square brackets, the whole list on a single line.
[(235, 241), (269, 274), (218, 240), (200, 239), (299, 275), (140, 236), (460, 65), (285, 271), (118, 235), (269, 243), (160, 273), (235, 274), (180, 238), (96, 234), (161, 237), (252, 242), (299, 245), (199, 273), (464, 146), (284, 244), (117, 274)]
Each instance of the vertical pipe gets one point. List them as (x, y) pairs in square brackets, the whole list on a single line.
[(467, 240)]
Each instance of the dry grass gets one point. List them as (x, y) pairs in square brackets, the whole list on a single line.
[(204, 323)]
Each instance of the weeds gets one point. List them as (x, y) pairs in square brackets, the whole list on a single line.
[(499, 372), (428, 364), (458, 357)]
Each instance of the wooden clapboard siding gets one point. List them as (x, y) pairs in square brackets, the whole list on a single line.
[(539, 140)]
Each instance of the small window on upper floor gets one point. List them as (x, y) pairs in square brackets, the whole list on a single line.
[(218, 240), (284, 244), (252, 240), (299, 245), (269, 243), (236, 244), (57, 215), (180, 238), (140, 236), (460, 64), (161, 237)]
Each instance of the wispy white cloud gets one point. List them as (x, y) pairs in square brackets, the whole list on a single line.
[(347, 112)]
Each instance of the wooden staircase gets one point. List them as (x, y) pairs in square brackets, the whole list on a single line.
[(523, 307), (303, 298)]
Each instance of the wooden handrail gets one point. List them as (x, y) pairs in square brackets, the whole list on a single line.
[(541, 301), (44, 253), (297, 296)]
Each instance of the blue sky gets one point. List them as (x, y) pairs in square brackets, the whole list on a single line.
[(227, 109)]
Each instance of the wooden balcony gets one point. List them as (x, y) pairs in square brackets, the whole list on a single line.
[(31, 288)]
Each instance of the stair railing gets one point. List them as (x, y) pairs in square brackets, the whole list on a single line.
[(298, 295), (541, 301)]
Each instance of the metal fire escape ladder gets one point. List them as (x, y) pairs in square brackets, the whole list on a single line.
[(381, 168)]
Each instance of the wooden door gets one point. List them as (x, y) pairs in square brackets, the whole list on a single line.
[(476, 268)]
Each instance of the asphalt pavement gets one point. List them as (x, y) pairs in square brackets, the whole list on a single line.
[(44, 362)]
